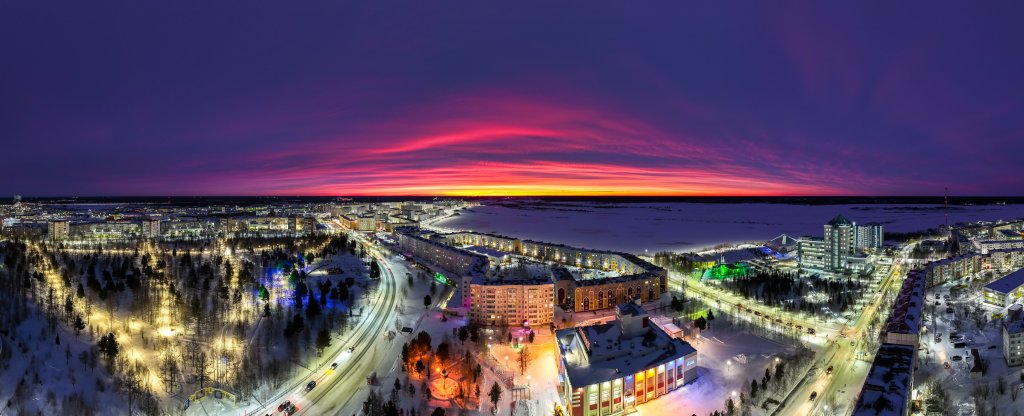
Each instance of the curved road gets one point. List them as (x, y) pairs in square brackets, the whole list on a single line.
[(336, 388)]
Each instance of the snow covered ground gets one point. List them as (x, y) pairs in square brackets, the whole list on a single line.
[(957, 380), (636, 227), (72, 380)]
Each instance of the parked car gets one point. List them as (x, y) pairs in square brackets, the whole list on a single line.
[(957, 358), (991, 347)]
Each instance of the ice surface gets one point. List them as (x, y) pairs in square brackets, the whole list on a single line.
[(636, 227)]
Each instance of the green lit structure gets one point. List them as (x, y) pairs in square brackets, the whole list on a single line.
[(444, 280), (727, 271)]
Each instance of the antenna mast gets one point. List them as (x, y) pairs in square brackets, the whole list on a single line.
[(945, 199)]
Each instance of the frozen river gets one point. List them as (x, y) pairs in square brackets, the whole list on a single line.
[(678, 226)]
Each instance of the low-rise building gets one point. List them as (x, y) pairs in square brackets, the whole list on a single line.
[(608, 369), (986, 246), (904, 322), (1005, 291), (953, 268), (632, 277)]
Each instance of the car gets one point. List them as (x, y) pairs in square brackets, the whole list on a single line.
[(991, 347), (351, 349), (291, 409), (810, 331), (949, 310), (814, 395), (957, 358), (282, 406), (310, 385), (334, 366), (828, 371), (946, 364), (938, 338), (937, 303)]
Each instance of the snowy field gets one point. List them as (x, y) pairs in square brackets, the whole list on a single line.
[(636, 227)]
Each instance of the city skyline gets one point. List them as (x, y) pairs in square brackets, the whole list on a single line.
[(483, 99)]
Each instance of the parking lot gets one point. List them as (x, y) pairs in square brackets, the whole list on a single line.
[(946, 349)]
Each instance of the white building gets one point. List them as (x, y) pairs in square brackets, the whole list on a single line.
[(151, 228), (870, 236), (812, 253), (1013, 336), (608, 369)]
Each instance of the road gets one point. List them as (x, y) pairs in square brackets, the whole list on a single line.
[(777, 316), (840, 388), (335, 388)]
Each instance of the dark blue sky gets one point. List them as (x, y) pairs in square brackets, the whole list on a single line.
[(336, 98)]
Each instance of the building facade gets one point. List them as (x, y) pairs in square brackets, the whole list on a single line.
[(637, 279), (511, 302), (608, 369), (1005, 291), (840, 242), (59, 229), (811, 251), (1013, 337), (870, 236), (151, 228)]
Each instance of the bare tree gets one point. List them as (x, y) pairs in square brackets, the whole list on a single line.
[(524, 358)]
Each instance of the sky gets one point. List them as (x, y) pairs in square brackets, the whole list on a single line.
[(511, 98)]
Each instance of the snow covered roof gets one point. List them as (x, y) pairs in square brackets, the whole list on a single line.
[(598, 353), (887, 387), (486, 251), (1014, 321), (631, 309), (501, 280), (1008, 283), (905, 317)]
